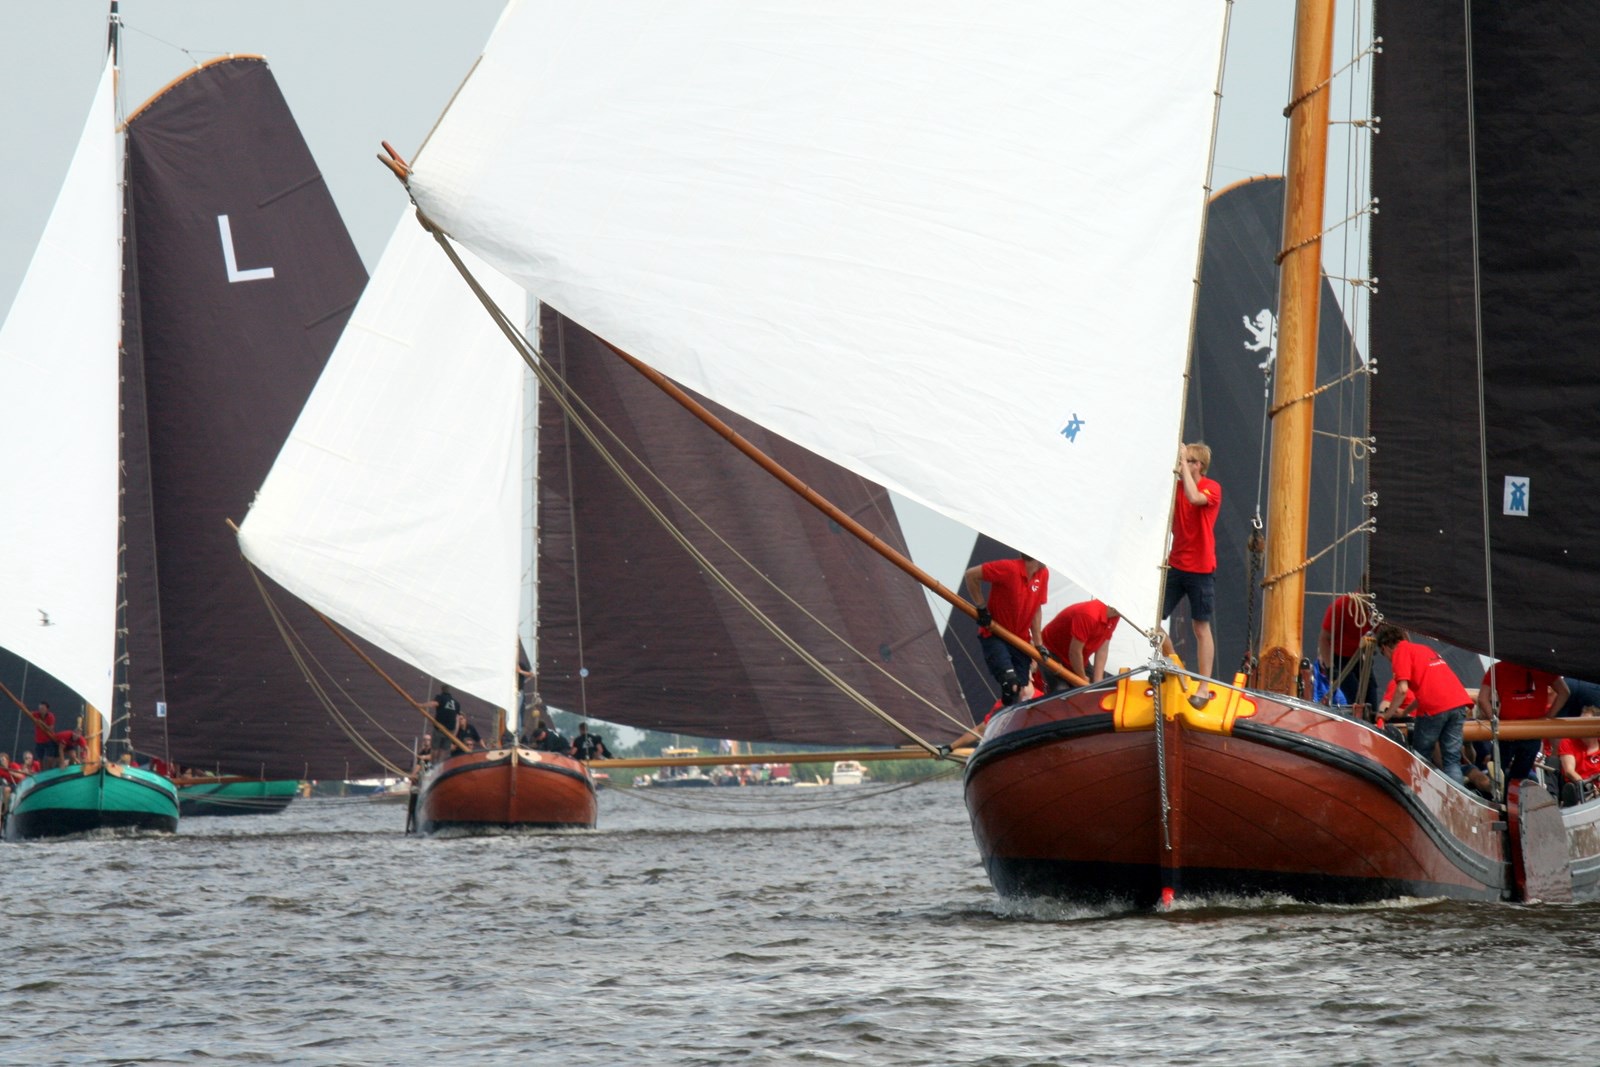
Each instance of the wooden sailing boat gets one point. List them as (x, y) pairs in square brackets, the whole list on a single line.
[(237, 277), (1265, 793), (58, 349), (395, 507), (1488, 222), (791, 257), (241, 277)]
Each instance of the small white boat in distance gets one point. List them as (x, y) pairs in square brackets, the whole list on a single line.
[(849, 772)]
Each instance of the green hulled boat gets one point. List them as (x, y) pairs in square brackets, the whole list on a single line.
[(235, 796), (71, 800)]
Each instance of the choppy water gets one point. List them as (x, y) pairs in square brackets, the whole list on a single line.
[(731, 926)]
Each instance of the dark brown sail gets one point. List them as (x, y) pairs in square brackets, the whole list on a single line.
[(632, 631), (1233, 343), (240, 277), (1486, 173)]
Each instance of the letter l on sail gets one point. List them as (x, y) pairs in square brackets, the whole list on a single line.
[(234, 273)]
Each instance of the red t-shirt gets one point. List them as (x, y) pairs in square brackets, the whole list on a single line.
[(47, 731), (1434, 686), (1014, 598), (1194, 540), (1524, 692), (1588, 762), (1086, 621), (1346, 621)]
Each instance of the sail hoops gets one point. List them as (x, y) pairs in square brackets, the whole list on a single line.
[(548, 379)]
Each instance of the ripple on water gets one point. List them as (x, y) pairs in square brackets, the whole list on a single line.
[(748, 932)]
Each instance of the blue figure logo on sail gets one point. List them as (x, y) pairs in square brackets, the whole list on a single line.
[(1070, 430), (1516, 498)]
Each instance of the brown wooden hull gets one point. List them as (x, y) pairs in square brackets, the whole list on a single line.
[(1582, 824), (505, 789), (1289, 800)]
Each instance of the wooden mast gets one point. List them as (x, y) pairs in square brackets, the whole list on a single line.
[(1299, 299)]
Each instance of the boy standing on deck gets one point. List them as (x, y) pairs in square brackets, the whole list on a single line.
[(1018, 589), (1437, 700), (1192, 563)]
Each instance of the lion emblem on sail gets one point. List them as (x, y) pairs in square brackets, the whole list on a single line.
[(1264, 335)]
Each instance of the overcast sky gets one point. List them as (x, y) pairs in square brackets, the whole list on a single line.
[(355, 72), (359, 71)]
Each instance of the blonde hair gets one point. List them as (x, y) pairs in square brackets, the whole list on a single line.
[(1202, 452)]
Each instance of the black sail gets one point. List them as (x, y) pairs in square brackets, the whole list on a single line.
[(978, 686), (239, 278), (632, 631), (1533, 169), (1232, 342)]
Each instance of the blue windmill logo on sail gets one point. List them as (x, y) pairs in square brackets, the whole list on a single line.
[(1070, 430), (1516, 498)]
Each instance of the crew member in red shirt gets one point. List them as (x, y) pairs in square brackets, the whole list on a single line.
[(1192, 563), (1018, 589), (1427, 689), (1079, 636), (1347, 620), (45, 749), (1580, 761), (1520, 693)]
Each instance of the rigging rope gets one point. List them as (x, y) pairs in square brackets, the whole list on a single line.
[(572, 533), (1477, 344), (749, 564), (559, 392), (303, 656), (1366, 526)]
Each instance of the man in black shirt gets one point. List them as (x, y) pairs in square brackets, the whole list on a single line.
[(446, 712), (587, 746), (547, 740)]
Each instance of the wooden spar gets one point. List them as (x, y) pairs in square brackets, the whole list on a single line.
[(822, 504), (1528, 729), (396, 686), (91, 735), (401, 170), (227, 779), (863, 755), (29, 712), (1299, 299)]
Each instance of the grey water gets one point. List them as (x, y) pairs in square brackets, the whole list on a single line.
[(839, 925)]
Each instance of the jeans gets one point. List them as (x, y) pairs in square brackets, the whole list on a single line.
[(1445, 730), (1351, 686), (1519, 757), (1581, 693)]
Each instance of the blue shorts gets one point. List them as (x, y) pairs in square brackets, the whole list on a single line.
[(1201, 589)]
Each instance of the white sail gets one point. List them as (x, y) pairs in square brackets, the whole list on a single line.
[(59, 438), (395, 507), (951, 246)]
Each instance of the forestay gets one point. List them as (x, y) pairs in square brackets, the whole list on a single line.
[(395, 506), (950, 247), (58, 441)]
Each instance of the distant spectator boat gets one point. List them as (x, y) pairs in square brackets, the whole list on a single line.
[(849, 772)]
